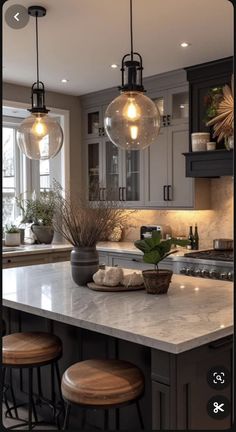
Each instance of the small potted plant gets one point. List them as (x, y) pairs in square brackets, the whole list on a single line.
[(157, 281), (12, 235), (39, 213)]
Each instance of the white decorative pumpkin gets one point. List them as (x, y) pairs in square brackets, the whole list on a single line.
[(132, 279), (113, 276), (98, 277)]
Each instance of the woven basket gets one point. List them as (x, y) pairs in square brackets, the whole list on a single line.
[(157, 282)]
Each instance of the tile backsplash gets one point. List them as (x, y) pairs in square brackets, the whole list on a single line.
[(214, 223)]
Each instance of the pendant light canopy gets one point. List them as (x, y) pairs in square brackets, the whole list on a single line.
[(132, 120), (39, 136)]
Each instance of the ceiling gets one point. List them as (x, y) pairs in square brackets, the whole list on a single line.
[(80, 39)]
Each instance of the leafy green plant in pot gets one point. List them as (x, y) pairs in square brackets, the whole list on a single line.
[(39, 212), (154, 250), (12, 235)]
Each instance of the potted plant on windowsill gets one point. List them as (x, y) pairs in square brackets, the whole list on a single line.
[(39, 211), (154, 250), (12, 235), (83, 224)]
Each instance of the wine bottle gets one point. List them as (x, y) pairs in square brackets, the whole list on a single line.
[(196, 239), (190, 238)]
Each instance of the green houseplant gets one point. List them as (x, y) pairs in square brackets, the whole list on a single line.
[(154, 250), (12, 235), (39, 212)]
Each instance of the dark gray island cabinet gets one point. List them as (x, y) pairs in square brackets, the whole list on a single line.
[(175, 339)]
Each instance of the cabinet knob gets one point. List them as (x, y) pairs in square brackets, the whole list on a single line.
[(168, 119), (164, 120), (205, 273)]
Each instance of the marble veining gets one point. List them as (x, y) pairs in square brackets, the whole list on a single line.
[(194, 312)]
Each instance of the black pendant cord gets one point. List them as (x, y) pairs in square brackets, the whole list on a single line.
[(131, 30), (37, 49)]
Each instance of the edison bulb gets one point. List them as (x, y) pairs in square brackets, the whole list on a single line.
[(39, 127), (40, 137), (132, 121), (132, 109)]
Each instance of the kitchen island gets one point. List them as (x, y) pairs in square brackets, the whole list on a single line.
[(175, 338)]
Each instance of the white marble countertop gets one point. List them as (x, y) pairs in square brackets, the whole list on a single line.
[(115, 247), (194, 312), (27, 249)]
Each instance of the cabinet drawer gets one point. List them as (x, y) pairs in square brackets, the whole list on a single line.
[(60, 256), (25, 260), (103, 258), (131, 262)]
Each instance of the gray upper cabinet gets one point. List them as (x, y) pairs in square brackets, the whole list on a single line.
[(154, 177)]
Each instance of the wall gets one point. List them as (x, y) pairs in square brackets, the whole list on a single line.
[(22, 94), (214, 223)]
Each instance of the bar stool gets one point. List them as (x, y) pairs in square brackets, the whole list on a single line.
[(31, 351), (102, 384)]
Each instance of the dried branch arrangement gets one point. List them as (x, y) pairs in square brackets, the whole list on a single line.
[(84, 223), (223, 122)]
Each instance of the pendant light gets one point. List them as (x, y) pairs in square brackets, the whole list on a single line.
[(132, 120), (39, 136)]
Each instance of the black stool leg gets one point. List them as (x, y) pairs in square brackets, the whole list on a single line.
[(139, 415), (83, 422), (117, 414), (4, 390), (30, 398), (67, 415), (105, 419), (13, 396), (58, 379), (39, 384)]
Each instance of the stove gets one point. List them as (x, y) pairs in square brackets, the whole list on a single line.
[(212, 254), (211, 264)]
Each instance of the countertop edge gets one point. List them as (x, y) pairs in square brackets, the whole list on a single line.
[(122, 334)]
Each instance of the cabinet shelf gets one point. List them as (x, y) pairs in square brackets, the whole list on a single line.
[(209, 164)]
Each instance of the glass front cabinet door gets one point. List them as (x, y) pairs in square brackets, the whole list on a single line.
[(93, 123), (178, 106), (94, 169)]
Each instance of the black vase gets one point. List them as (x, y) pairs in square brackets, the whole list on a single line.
[(84, 263)]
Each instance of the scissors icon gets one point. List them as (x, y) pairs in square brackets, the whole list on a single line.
[(218, 407)]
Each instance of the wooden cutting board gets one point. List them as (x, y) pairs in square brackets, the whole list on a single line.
[(96, 287)]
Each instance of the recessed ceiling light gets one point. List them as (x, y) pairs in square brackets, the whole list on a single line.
[(114, 66), (64, 80), (185, 44), (182, 106)]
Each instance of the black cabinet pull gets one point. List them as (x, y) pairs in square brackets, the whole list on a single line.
[(169, 189), (120, 197), (164, 120), (164, 192), (100, 194), (123, 194), (168, 119), (221, 343), (100, 131)]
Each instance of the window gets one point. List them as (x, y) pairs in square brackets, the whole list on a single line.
[(44, 172), (11, 162), (20, 174)]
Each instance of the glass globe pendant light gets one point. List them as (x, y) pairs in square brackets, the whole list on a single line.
[(39, 136), (132, 120)]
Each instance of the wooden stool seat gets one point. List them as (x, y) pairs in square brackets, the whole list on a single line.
[(102, 383), (30, 348)]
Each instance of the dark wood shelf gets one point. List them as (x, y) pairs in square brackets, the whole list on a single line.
[(209, 164)]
